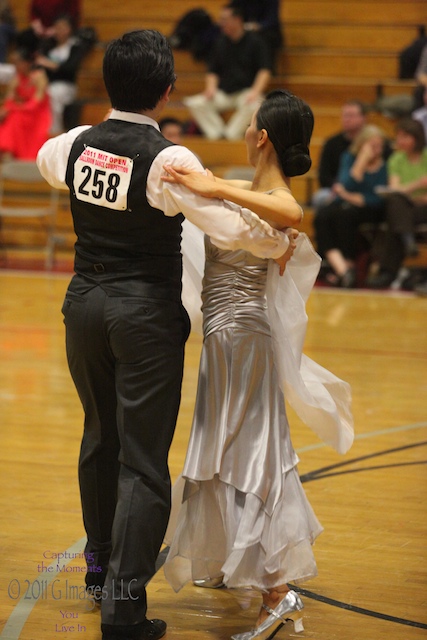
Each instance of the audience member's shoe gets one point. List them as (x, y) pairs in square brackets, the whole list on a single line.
[(331, 279), (348, 280), (147, 630), (381, 280), (411, 250), (421, 288)]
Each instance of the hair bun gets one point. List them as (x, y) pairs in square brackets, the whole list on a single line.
[(295, 160)]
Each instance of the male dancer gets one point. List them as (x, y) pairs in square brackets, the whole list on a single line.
[(125, 325)]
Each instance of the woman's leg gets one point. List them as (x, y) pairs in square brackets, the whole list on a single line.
[(334, 240), (400, 220), (324, 226), (271, 599)]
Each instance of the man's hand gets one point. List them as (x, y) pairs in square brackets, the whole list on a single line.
[(209, 93), (252, 96), (284, 259)]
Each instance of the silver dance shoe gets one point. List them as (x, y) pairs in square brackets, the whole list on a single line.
[(290, 608), (210, 583)]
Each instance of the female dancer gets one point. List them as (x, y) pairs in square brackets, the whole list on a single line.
[(245, 520)]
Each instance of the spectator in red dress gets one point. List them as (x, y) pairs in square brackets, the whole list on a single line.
[(25, 115)]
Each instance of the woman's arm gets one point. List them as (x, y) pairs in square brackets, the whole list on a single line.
[(279, 208), (211, 85), (410, 187), (394, 182), (361, 162), (41, 82), (241, 184), (353, 197)]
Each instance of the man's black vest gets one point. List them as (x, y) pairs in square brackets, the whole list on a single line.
[(119, 235)]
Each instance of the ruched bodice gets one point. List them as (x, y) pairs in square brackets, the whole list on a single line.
[(234, 291)]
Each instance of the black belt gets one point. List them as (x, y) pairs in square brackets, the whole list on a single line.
[(118, 266), (140, 269), (141, 279)]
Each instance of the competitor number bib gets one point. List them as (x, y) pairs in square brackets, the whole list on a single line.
[(102, 178)]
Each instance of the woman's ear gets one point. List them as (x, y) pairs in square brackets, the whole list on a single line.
[(262, 138)]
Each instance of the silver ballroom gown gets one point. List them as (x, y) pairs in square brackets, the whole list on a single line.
[(244, 513)]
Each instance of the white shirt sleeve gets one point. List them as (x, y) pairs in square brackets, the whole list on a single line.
[(228, 225), (52, 158)]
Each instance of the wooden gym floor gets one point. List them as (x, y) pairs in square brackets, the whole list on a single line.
[(372, 556)]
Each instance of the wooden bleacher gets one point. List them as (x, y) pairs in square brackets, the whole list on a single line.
[(335, 50)]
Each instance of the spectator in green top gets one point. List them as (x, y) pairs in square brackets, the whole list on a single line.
[(406, 201)]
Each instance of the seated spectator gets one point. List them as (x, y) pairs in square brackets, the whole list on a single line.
[(356, 202), (421, 78), (421, 288), (238, 74), (195, 32), (61, 57), (172, 129), (406, 202), (43, 14), (410, 65), (25, 116), (420, 114), (263, 17), (409, 57), (7, 36), (353, 119)]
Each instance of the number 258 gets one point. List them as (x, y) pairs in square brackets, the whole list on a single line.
[(96, 179)]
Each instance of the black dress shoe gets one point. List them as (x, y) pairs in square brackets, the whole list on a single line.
[(348, 280), (412, 250), (381, 280), (421, 288), (147, 630), (153, 629)]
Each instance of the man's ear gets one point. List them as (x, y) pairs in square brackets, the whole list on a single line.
[(166, 95)]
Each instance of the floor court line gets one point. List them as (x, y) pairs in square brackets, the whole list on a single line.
[(24, 607)]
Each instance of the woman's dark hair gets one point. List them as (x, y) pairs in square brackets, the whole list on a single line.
[(25, 54), (415, 129), (138, 68), (65, 17), (236, 9), (289, 123)]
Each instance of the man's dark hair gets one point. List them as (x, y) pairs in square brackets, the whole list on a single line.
[(235, 8), (66, 18), (165, 121), (138, 68), (359, 104)]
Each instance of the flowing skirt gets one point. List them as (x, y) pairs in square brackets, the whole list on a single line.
[(242, 511)]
